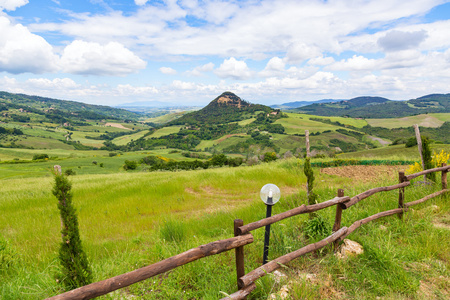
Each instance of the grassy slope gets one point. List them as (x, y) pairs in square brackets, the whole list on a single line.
[(398, 152), (122, 221), (427, 120), (165, 131)]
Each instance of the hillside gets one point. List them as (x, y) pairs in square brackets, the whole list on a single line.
[(50, 109), (225, 108), (377, 107), (32, 122)]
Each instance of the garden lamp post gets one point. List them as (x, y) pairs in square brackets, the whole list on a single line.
[(270, 194)]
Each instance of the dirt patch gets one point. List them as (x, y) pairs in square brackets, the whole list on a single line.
[(364, 173), (441, 225), (116, 125)]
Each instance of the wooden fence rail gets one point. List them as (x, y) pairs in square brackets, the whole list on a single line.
[(106, 286), (246, 282)]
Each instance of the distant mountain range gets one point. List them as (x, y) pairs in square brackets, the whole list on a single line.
[(378, 107), (296, 104)]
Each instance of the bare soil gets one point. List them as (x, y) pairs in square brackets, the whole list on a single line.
[(365, 173)]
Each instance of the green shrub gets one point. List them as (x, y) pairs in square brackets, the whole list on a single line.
[(130, 165), (317, 228), (270, 156), (40, 156), (69, 172)]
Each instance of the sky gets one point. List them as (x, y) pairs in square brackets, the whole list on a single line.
[(187, 52)]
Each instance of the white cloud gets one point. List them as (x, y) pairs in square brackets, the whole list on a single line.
[(89, 58), (275, 67), (398, 40), (321, 61), (181, 85), (140, 2), (12, 4), (355, 63), (21, 51), (232, 68), (128, 89), (168, 71), (55, 84), (298, 52), (198, 71)]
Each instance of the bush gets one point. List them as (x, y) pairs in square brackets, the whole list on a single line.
[(130, 165), (269, 156), (411, 142), (69, 172), (94, 162), (40, 156), (317, 228), (111, 154)]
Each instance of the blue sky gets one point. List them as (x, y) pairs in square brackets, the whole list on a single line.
[(187, 52)]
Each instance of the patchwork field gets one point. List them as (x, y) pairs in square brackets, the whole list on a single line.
[(427, 120)]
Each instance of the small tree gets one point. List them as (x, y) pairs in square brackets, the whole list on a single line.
[(307, 169), (75, 268), (427, 159)]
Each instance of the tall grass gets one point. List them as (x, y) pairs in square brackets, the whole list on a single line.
[(130, 220)]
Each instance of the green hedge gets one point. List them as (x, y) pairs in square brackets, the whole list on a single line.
[(354, 162)]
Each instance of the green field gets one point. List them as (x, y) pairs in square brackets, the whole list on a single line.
[(126, 218), (427, 120), (165, 131)]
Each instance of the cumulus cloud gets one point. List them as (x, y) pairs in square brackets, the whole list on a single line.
[(21, 51), (11, 4), (298, 52), (398, 40), (90, 58), (55, 84), (321, 61), (168, 71), (355, 63), (235, 69), (198, 71), (275, 67)]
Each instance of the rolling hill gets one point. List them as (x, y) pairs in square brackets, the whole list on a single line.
[(225, 108), (64, 110), (377, 107)]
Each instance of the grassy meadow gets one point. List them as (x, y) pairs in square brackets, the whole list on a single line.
[(426, 120), (128, 220)]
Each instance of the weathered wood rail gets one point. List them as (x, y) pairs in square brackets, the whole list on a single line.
[(246, 282)]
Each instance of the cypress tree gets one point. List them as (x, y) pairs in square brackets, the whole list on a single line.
[(75, 267), (427, 159), (307, 169)]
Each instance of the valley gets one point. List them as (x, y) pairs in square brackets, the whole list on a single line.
[(194, 175)]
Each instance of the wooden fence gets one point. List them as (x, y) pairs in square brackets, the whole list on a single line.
[(246, 282)]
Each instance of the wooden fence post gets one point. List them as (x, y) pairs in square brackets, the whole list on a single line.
[(444, 177), (239, 254), (419, 146), (401, 193), (337, 220)]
